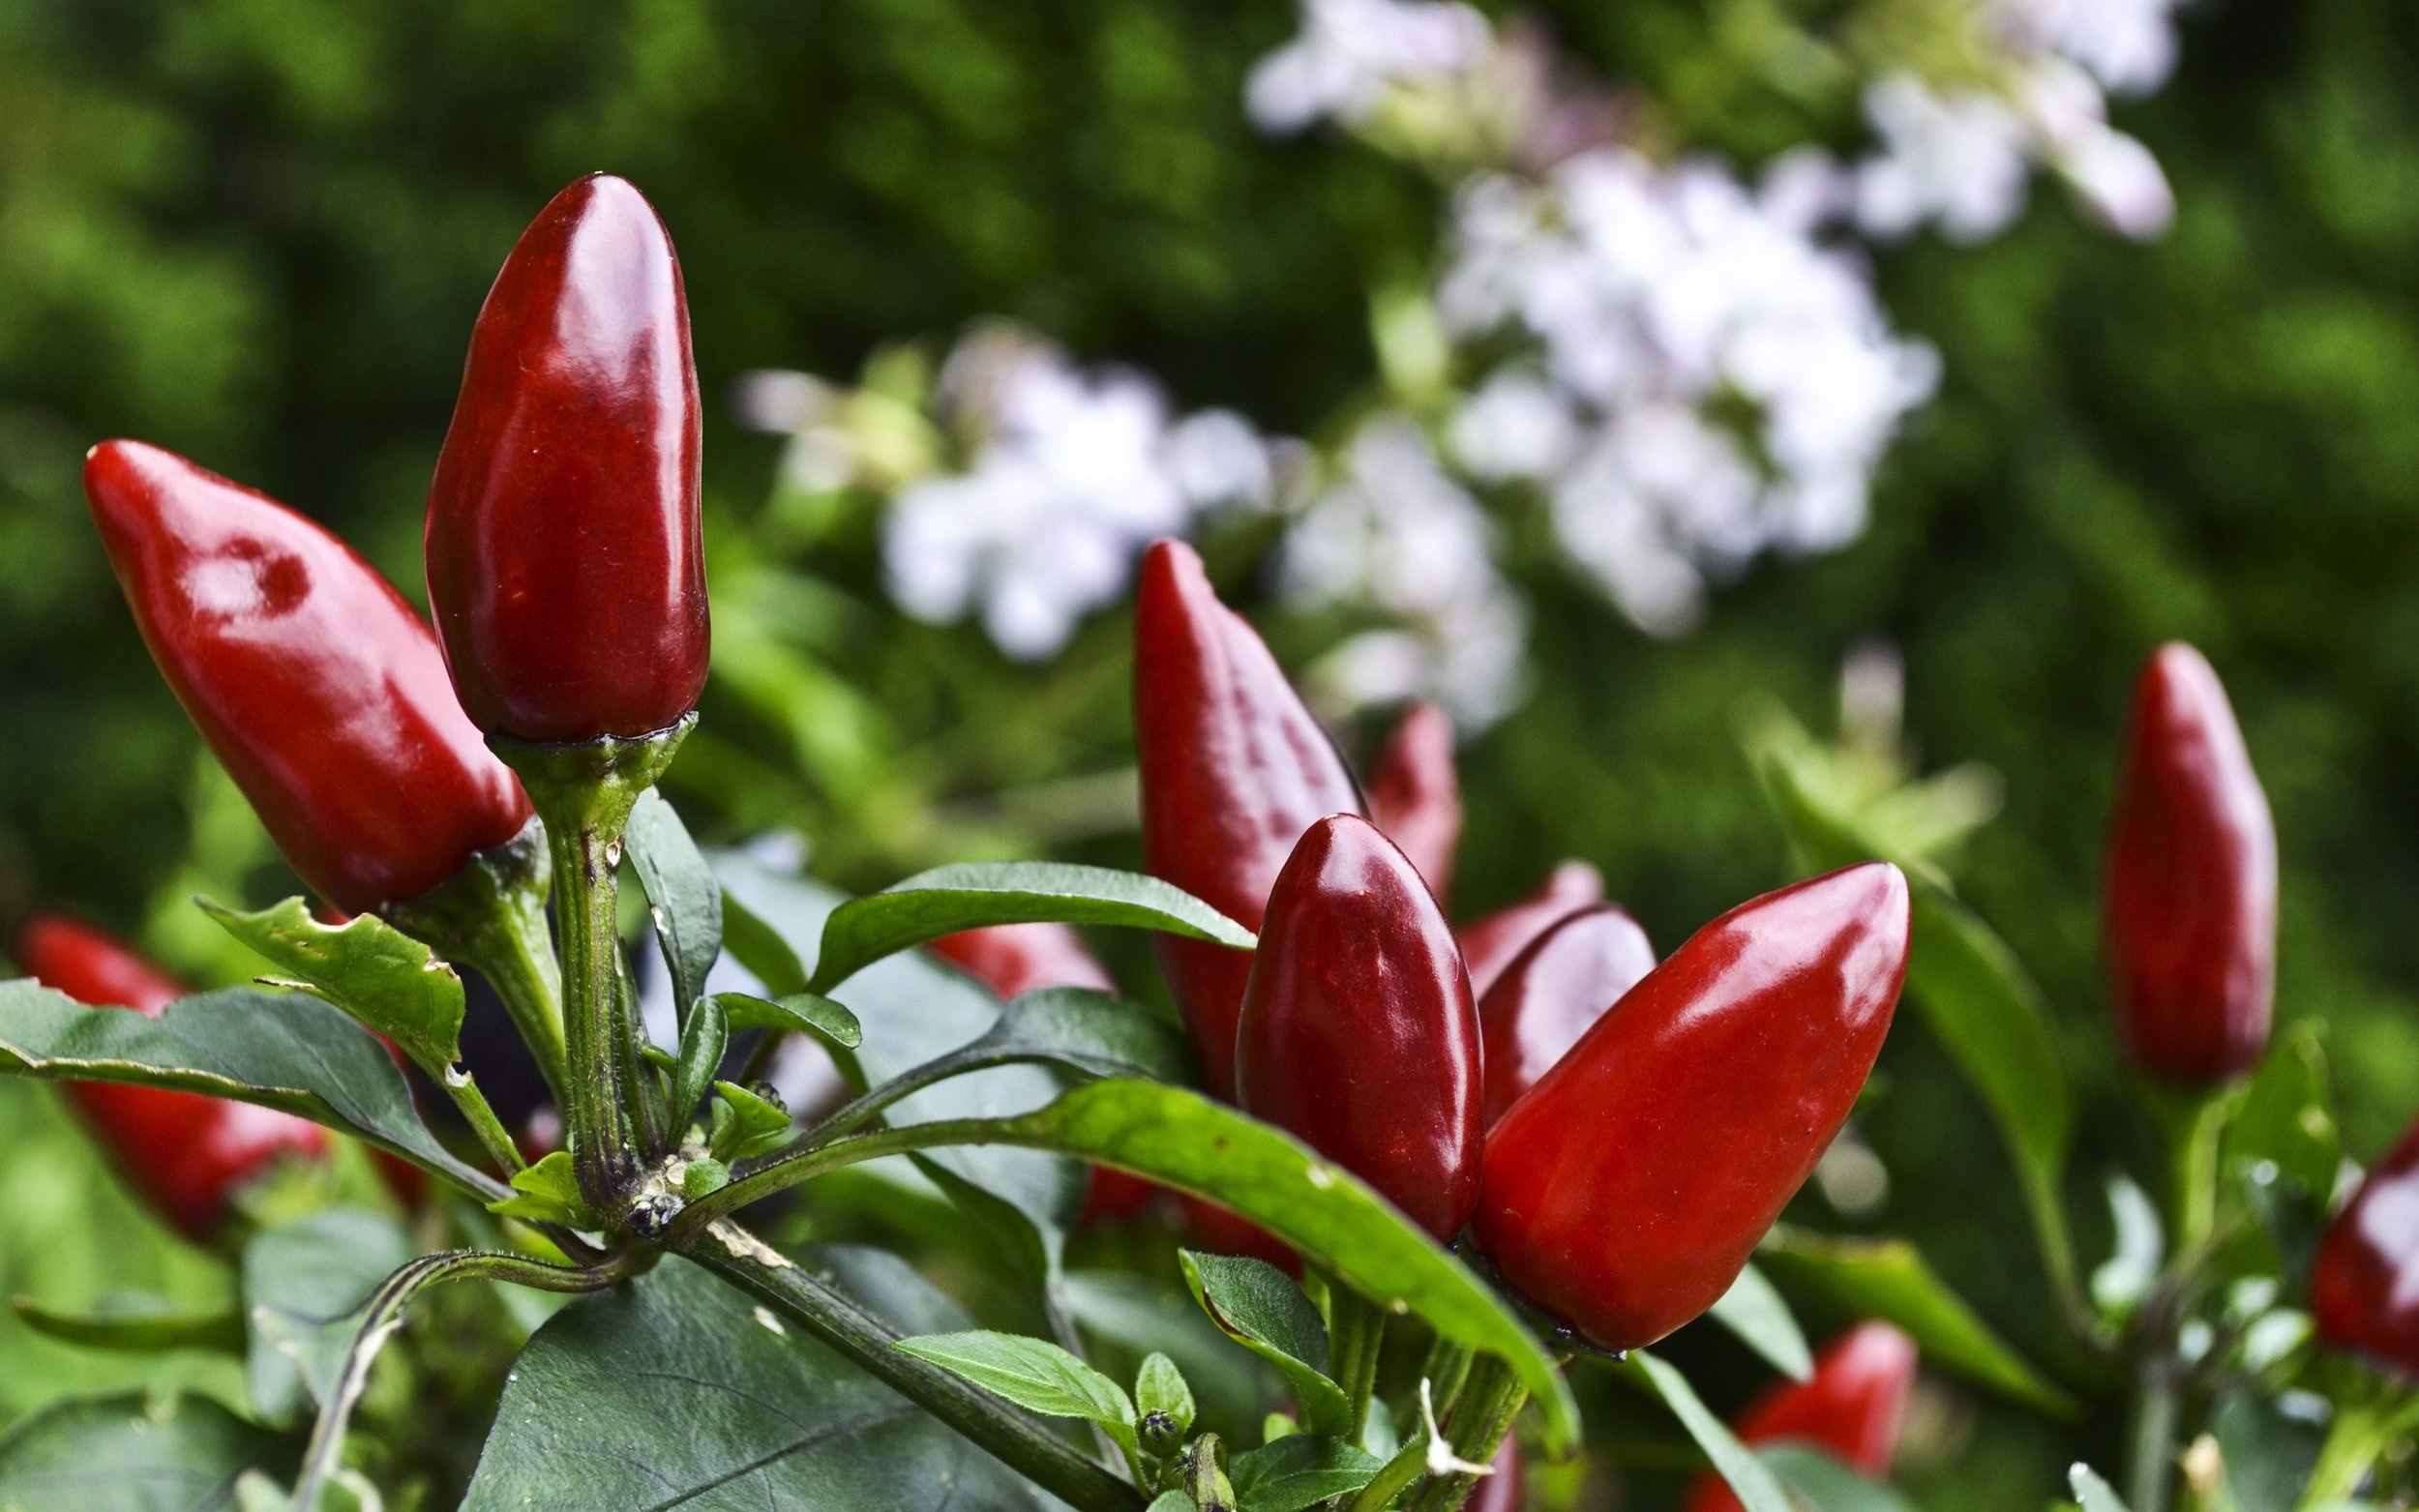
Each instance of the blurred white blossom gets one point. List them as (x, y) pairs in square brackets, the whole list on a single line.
[(1352, 51)]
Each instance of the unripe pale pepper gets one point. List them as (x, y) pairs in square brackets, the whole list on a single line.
[(1853, 1407), (1552, 994)]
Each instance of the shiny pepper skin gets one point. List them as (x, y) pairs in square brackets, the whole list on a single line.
[(2190, 911), (1625, 1190), (320, 691), (1552, 992), (1415, 794), (1234, 769), (2364, 1286), (187, 1153), (1855, 1407), (1489, 943), (565, 569), (1357, 1033)]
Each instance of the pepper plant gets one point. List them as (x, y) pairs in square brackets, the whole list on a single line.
[(1425, 1174)]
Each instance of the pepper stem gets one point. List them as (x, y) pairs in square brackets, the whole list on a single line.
[(490, 916), (584, 793), (1490, 1400), (1356, 1333)]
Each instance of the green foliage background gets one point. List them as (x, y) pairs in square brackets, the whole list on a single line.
[(256, 231)]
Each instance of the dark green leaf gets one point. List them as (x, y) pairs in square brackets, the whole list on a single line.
[(1754, 1312), (1260, 1308), (1890, 1280), (1035, 1374), (746, 1124), (1173, 1501), (301, 1281), (547, 1192), (2095, 1494), (373, 970), (1160, 1387), (1748, 1480), (809, 1011), (2287, 1120), (711, 1404), (124, 1453), (682, 897), (702, 1041), (1824, 1484), (136, 1323), (1097, 1033), (2268, 1452), (1298, 1471), (1125, 1316), (285, 1050), (953, 898)]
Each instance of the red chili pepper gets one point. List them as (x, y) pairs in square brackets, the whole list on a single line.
[(2364, 1286), (1855, 1406), (1234, 769), (1357, 1034), (1552, 992), (318, 688), (1490, 942), (189, 1154), (565, 567), (1415, 794), (2192, 882), (1502, 1491), (1626, 1190)]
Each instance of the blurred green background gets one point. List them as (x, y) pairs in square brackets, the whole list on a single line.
[(256, 231)]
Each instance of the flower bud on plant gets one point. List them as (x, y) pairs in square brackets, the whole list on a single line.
[(187, 1153), (1415, 794), (1626, 1190), (319, 689), (2364, 1285), (1552, 992), (1234, 769), (1854, 1407), (1490, 942), (1357, 1034), (565, 567), (2192, 882)]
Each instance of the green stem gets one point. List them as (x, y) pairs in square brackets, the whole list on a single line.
[(2358, 1434), (1394, 1477), (2150, 1442), (491, 917), (866, 1340), (482, 1119), (1356, 1335), (1489, 1402), (1447, 1370)]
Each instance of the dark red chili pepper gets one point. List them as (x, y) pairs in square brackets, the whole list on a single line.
[(318, 688), (1490, 942), (1357, 1034), (1502, 1491), (1415, 794), (1855, 1407), (1626, 1190), (189, 1154), (565, 569), (1552, 992), (2364, 1286), (1234, 769), (2192, 882)]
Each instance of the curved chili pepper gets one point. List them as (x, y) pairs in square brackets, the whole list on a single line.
[(1854, 1407), (2192, 882), (1490, 942), (565, 569), (2364, 1285), (1415, 794), (1626, 1190), (1357, 1034), (1552, 992), (320, 691), (187, 1153), (1234, 769)]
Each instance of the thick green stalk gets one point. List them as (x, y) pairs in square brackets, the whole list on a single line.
[(1489, 1402), (1355, 1334), (2150, 1439)]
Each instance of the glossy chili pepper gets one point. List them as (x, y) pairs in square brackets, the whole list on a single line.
[(1490, 942), (2364, 1285), (1625, 1190), (1415, 794), (2192, 882), (1013, 959), (1234, 769), (318, 688), (1552, 992), (1853, 1407), (565, 569), (1357, 1034), (187, 1153)]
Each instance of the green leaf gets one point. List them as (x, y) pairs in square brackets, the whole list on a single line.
[(1160, 1387), (1298, 1471), (1035, 1374), (374, 971), (285, 1050), (547, 1192), (749, 1127), (756, 945), (953, 898), (702, 1041), (301, 1280), (1824, 1484), (702, 1177), (1890, 1280), (1748, 1480), (1173, 1501), (1260, 1308), (809, 1011), (2286, 1118), (2096, 1495), (1096, 1033), (2268, 1453), (1124, 1316), (713, 1405), (1754, 1312), (136, 1323), (682, 897), (125, 1454)]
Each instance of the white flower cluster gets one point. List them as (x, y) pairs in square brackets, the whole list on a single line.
[(1350, 52)]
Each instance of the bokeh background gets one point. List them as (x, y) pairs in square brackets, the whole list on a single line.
[(256, 231)]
